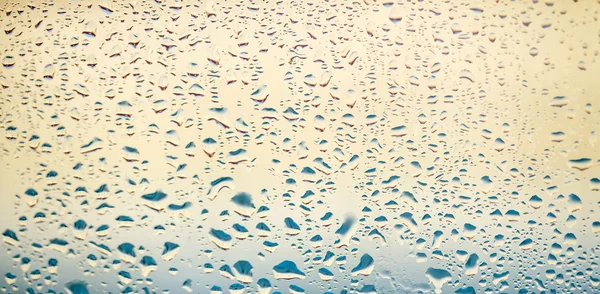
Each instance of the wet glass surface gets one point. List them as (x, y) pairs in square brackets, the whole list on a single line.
[(151, 146)]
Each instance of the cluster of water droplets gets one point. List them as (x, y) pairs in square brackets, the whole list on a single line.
[(162, 146)]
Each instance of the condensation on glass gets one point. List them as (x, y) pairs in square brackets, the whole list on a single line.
[(160, 146)]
